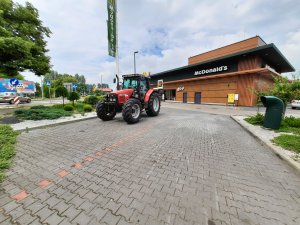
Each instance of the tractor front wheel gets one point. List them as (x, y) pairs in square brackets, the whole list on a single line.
[(132, 111), (153, 105), (105, 112)]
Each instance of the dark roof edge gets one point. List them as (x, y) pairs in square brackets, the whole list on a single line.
[(279, 52), (229, 56)]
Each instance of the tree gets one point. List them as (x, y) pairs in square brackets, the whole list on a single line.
[(18, 76), (61, 91), (103, 85), (38, 92), (99, 92), (22, 39), (82, 88), (52, 75), (46, 91), (80, 79), (284, 89), (73, 96)]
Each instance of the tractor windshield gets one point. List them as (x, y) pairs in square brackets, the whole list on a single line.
[(130, 83)]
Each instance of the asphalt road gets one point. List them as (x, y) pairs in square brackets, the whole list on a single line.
[(182, 167)]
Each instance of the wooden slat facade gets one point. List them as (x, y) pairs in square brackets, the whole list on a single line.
[(226, 50), (216, 90)]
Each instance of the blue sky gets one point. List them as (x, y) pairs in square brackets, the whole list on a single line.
[(165, 32)]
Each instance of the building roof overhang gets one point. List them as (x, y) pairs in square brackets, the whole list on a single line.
[(270, 53)]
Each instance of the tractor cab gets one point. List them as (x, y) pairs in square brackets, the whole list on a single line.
[(139, 83)]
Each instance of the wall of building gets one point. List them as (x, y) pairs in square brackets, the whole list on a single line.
[(249, 63), (217, 90), (227, 50)]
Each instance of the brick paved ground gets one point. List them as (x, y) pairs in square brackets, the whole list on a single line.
[(182, 167)]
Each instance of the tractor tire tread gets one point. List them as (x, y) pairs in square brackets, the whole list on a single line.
[(150, 110), (102, 113), (127, 111)]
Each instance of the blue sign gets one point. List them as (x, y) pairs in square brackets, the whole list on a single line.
[(75, 85), (48, 83), (14, 82)]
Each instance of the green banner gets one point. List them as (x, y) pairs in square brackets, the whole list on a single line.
[(111, 27)]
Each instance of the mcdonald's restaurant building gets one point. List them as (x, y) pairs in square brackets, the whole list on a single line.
[(235, 70)]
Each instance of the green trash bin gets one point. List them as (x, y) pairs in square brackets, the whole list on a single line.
[(274, 111)]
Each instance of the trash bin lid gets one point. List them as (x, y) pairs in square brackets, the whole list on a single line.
[(272, 101)]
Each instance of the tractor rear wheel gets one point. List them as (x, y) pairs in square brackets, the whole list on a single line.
[(104, 112), (153, 105), (132, 111)]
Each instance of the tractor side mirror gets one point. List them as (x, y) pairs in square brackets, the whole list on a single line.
[(114, 80)]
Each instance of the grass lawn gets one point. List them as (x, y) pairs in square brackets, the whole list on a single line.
[(290, 142), (7, 147), (288, 125)]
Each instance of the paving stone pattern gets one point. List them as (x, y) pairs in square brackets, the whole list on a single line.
[(182, 167)]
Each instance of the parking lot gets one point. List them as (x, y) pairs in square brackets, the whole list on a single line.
[(182, 167)]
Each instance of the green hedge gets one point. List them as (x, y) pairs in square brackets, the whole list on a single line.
[(88, 108), (48, 113), (69, 108), (7, 147), (93, 100)]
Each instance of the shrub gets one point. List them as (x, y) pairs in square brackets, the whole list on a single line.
[(68, 108), (38, 107), (92, 100), (101, 98), (41, 114), (73, 96), (87, 108), (7, 148), (79, 106), (257, 119), (292, 121), (58, 106)]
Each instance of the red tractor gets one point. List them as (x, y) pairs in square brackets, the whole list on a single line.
[(134, 96)]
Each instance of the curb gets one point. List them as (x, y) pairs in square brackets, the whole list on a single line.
[(54, 124), (277, 150)]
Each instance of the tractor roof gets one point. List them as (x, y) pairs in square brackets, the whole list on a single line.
[(134, 76)]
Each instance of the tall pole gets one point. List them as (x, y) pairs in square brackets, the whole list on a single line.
[(42, 86), (117, 42), (134, 61), (101, 82), (49, 87)]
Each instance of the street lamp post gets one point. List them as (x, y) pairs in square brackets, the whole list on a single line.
[(134, 61)]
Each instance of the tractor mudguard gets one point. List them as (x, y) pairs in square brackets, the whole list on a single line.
[(147, 96)]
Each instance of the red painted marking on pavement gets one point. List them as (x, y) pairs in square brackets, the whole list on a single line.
[(20, 196), (100, 153), (63, 173), (107, 149), (120, 142), (89, 158), (44, 183), (78, 165)]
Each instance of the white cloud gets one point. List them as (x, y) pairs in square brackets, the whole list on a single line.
[(165, 32)]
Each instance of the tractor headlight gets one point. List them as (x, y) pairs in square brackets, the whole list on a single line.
[(112, 98)]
